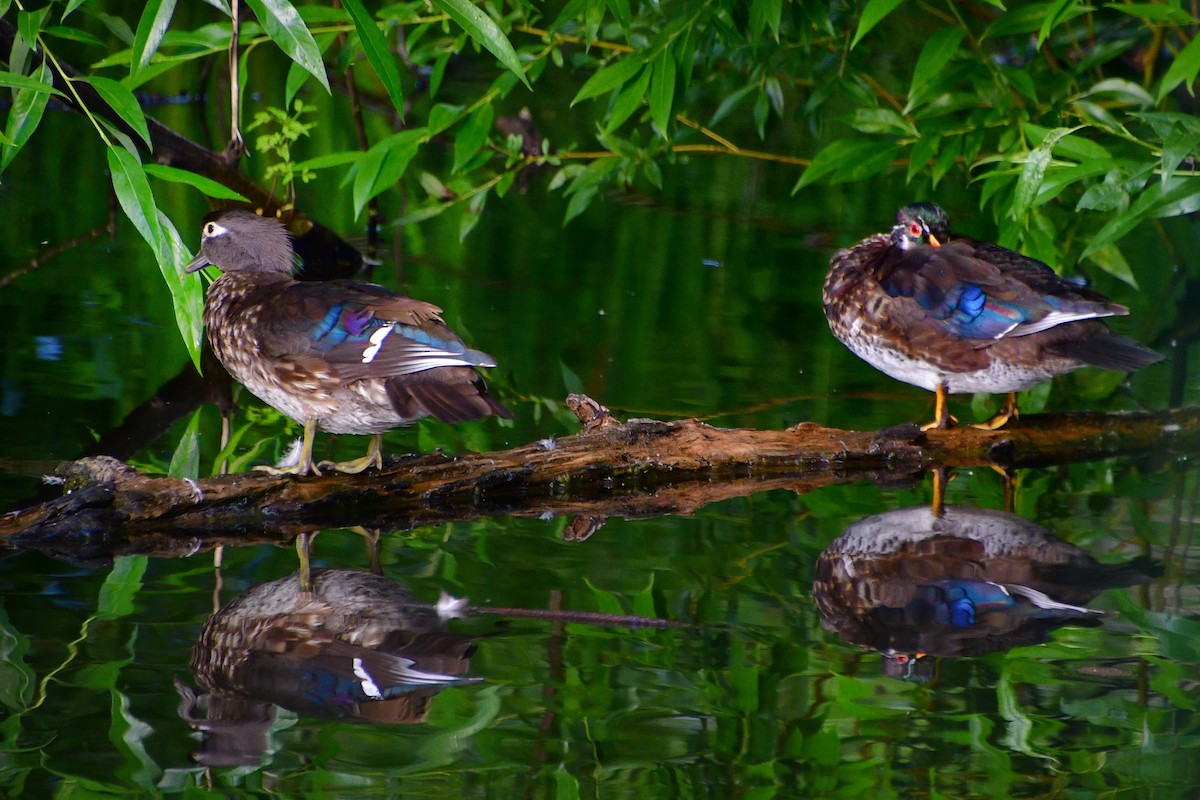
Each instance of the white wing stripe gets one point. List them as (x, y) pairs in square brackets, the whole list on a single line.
[(376, 342)]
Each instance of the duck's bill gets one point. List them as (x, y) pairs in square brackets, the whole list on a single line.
[(197, 263)]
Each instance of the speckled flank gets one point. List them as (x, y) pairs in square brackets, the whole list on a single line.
[(300, 388)]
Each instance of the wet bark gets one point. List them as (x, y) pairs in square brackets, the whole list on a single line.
[(639, 468)]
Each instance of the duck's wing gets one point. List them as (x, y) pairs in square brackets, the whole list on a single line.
[(365, 331), (972, 298)]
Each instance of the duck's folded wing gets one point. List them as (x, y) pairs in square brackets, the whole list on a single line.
[(364, 331), (971, 298)]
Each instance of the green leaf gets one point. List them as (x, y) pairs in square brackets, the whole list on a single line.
[(1154, 12), (375, 46), (442, 116), (1059, 178), (27, 109), (1104, 196), (1019, 21), (606, 601), (328, 160), (472, 134), (480, 27), (937, 52), (122, 101), (154, 22), (730, 103), (185, 461), (762, 108), (586, 186), (611, 77), (134, 195), (764, 14), (71, 34), (662, 91), (1071, 146), (120, 28), (14, 81), (187, 296), (29, 24), (1122, 89), (1158, 200), (297, 75), (923, 150), (881, 120), (848, 159), (137, 201), (285, 27), (1180, 143), (384, 164), (434, 187), (120, 587), (1060, 11), (471, 217), (872, 15), (946, 159), (206, 185), (73, 5), (621, 10), (1110, 259), (1033, 172), (628, 101), (1183, 68)]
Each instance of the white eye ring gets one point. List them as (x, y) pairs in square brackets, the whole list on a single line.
[(212, 229)]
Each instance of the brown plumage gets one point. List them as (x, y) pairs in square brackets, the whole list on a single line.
[(964, 316), (339, 356)]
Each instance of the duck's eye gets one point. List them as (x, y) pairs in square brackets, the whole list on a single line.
[(916, 230)]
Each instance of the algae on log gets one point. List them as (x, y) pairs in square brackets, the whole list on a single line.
[(635, 469)]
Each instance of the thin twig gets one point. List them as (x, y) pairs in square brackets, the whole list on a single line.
[(236, 144), (564, 39), (52, 252)]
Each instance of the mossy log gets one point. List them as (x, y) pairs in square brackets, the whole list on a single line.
[(634, 469)]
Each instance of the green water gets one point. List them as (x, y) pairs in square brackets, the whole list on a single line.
[(702, 301)]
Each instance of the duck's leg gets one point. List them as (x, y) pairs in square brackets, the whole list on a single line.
[(1006, 413), (303, 545), (304, 464), (373, 458), (941, 411), (938, 504), (371, 535)]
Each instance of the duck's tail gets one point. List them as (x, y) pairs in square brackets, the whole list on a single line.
[(1108, 352)]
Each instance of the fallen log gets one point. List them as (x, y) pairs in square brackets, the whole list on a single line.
[(635, 469)]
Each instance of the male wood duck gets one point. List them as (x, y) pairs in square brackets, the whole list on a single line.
[(958, 582), (342, 356), (957, 315)]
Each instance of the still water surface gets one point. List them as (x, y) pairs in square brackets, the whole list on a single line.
[(703, 302)]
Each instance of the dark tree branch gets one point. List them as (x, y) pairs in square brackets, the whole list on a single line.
[(635, 469)]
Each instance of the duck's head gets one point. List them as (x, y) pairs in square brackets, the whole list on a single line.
[(239, 240), (920, 223)]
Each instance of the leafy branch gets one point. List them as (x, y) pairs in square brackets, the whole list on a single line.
[(1056, 133)]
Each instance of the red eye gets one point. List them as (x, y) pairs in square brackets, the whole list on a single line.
[(916, 229)]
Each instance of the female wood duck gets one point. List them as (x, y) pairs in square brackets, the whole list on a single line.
[(958, 315), (352, 645), (342, 356)]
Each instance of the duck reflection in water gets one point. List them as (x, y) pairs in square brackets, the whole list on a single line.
[(953, 581), (357, 646)]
